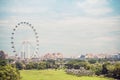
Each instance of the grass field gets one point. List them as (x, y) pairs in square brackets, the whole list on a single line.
[(53, 75)]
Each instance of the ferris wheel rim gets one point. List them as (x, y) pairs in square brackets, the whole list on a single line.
[(13, 33)]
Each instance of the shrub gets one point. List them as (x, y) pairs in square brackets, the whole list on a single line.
[(19, 65), (9, 73), (97, 68), (80, 72), (113, 70), (42, 65)]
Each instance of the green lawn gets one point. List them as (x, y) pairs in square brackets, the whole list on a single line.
[(53, 75)]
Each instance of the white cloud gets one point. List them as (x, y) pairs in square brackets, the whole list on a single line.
[(65, 28), (98, 11), (29, 10), (27, 7), (95, 7), (67, 23), (71, 32)]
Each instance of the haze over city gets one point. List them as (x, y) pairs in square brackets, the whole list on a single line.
[(71, 27)]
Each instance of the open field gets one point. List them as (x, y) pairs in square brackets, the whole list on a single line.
[(53, 75)]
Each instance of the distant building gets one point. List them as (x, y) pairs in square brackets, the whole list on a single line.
[(82, 57), (100, 56), (89, 56), (53, 56), (116, 56)]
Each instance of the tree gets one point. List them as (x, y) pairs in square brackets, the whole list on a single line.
[(9, 73), (30, 66), (76, 66), (35, 65), (114, 70), (19, 65), (69, 65), (97, 68), (111, 69), (117, 70), (104, 68), (50, 63), (2, 55), (92, 61), (3, 62), (42, 65)]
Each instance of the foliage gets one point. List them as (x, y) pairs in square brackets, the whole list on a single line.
[(104, 68), (97, 68), (113, 70), (76, 64), (30, 66), (76, 67), (3, 62), (42, 65), (107, 68), (9, 73), (19, 65), (92, 61), (50, 64), (2, 55), (80, 72)]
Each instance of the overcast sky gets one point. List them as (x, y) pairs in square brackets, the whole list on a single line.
[(71, 27)]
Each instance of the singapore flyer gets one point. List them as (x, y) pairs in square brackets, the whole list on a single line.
[(25, 46)]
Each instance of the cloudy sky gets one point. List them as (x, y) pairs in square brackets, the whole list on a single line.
[(71, 27)]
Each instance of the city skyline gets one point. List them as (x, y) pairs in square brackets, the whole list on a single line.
[(70, 27)]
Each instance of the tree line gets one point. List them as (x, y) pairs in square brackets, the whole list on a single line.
[(45, 64), (94, 67), (88, 67)]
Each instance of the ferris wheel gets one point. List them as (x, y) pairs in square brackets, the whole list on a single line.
[(13, 38)]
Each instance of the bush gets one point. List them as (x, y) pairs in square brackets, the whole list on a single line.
[(42, 65), (19, 65), (9, 73), (80, 72), (113, 70), (3, 62), (29, 66), (97, 68), (92, 61)]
